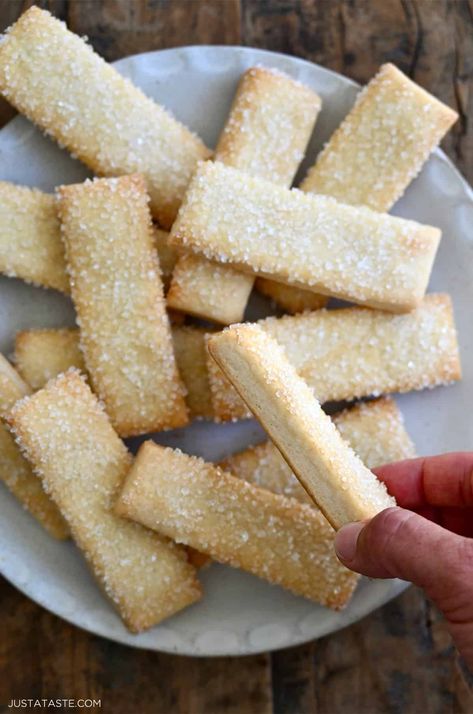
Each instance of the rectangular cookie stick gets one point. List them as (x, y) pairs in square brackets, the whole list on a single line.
[(118, 295), (309, 241), (382, 143), (354, 352), (236, 523), (191, 358), (331, 473), (266, 133), (53, 77), (210, 290), (82, 462), (292, 300), (30, 237), (43, 354), (15, 472), (374, 430), (269, 126)]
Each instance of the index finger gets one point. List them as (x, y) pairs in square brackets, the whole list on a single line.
[(444, 480)]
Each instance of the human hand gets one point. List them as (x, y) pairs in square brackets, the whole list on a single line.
[(431, 544)]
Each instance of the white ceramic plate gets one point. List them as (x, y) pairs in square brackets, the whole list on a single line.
[(239, 613)]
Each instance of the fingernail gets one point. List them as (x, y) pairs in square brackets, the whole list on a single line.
[(345, 541)]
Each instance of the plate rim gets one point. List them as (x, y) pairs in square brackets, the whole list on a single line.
[(398, 587)]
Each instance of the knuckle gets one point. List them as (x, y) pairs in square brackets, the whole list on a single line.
[(386, 524), (382, 532), (453, 591), (464, 556)]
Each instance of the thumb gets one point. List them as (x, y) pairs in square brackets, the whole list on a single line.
[(401, 544)]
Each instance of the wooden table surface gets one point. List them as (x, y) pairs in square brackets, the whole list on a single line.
[(400, 659)]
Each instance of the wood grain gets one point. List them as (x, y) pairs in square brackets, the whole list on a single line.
[(397, 660), (42, 656), (430, 40)]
